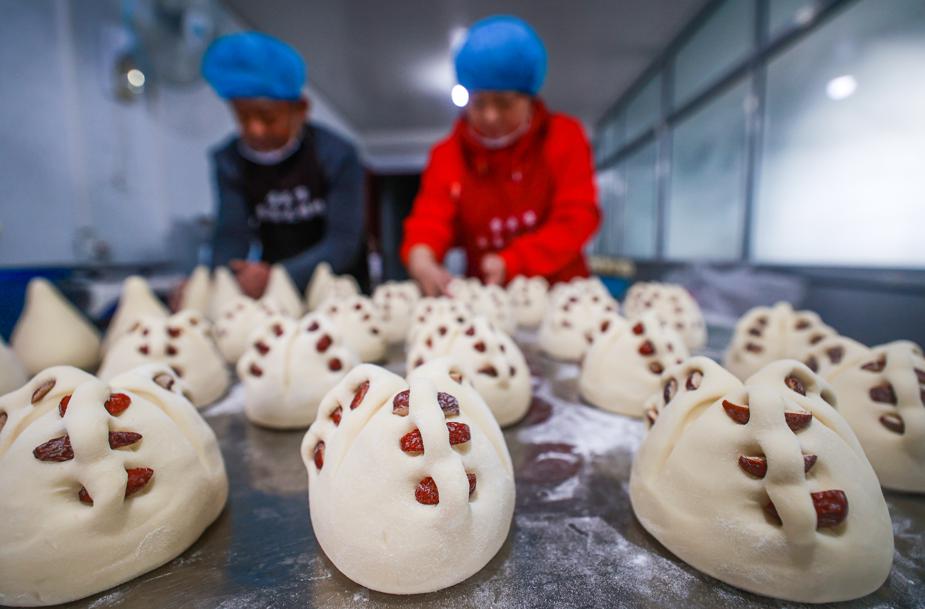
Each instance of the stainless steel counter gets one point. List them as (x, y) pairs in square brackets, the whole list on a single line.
[(574, 541)]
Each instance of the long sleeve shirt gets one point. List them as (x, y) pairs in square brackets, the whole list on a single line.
[(338, 210), (534, 202)]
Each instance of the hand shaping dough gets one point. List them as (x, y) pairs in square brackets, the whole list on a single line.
[(762, 485), (574, 315), (52, 332), (485, 356), (673, 305), (881, 393), (410, 485), (100, 483), (623, 366), (137, 300), (396, 301), (528, 296), (183, 343), (289, 367), (358, 321), (765, 334)]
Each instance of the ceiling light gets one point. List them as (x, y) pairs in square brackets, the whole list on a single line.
[(136, 78), (841, 87), (459, 95)]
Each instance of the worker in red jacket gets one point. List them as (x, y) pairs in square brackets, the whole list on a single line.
[(513, 183)]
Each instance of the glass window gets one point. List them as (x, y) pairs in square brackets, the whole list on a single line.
[(640, 222), (610, 192), (597, 146), (601, 145), (615, 135), (644, 109), (842, 179), (784, 15), (723, 40), (707, 194), (610, 139)]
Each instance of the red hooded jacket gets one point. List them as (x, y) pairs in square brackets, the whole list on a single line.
[(533, 202)]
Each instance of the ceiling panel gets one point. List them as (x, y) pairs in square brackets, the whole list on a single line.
[(386, 66)]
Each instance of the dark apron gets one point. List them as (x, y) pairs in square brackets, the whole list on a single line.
[(287, 201)]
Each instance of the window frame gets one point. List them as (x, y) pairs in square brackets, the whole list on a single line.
[(752, 68)]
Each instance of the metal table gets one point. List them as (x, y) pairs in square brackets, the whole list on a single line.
[(574, 541)]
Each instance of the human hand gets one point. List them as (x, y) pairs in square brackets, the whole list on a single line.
[(493, 269), (423, 267), (251, 276)]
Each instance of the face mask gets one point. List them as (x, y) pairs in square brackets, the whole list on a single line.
[(494, 143), (269, 157)]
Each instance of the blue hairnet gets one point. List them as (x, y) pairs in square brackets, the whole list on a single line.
[(501, 53), (251, 64)]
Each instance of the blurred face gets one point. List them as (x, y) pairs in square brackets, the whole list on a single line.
[(494, 114), (269, 124)]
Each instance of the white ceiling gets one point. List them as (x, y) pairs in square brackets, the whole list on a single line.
[(387, 67)]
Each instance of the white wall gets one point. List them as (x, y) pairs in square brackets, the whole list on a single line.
[(73, 158), (37, 211)]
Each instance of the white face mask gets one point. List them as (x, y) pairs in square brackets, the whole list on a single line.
[(270, 157), (495, 143)]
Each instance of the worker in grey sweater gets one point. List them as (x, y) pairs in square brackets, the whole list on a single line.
[(290, 186)]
